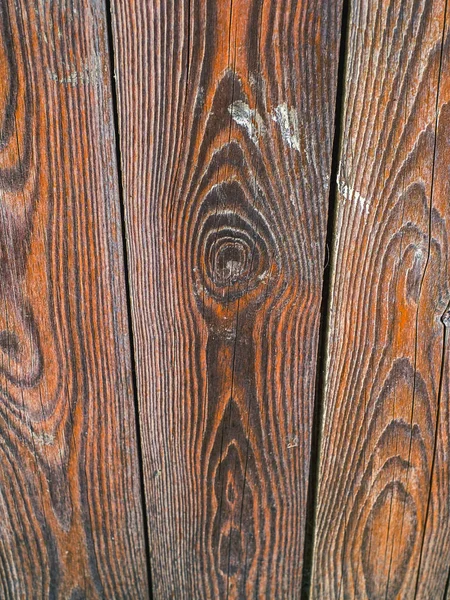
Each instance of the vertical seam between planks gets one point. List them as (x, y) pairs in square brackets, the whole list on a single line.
[(115, 114), (322, 351), (447, 586)]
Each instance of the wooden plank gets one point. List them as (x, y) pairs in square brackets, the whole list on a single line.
[(227, 113), (382, 530), (71, 521), (433, 323)]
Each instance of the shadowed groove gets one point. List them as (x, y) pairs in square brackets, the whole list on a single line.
[(324, 312), (115, 112)]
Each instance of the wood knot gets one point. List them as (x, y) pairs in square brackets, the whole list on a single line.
[(230, 257), (235, 250)]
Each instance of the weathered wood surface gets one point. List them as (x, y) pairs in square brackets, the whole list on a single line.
[(226, 126), (383, 499), (226, 121), (71, 521)]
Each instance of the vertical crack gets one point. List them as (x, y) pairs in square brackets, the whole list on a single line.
[(313, 482), (447, 586), (116, 121), (443, 318), (446, 322)]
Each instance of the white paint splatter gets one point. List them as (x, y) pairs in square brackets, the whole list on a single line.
[(350, 194), (252, 122), (292, 441), (248, 118), (287, 119), (43, 438), (91, 73)]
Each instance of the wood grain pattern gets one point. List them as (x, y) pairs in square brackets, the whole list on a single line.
[(383, 504), (71, 521), (226, 123), (434, 321)]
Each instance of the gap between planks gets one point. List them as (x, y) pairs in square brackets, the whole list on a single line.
[(115, 112), (322, 354)]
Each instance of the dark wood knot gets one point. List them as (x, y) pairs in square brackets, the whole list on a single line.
[(235, 250)]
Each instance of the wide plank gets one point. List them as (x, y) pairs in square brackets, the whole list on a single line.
[(71, 514), (383, 498), (226, 126)]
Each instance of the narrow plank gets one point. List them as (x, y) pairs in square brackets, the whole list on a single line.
[(382, 530), (433, 324), (226, 112), (71, 518)]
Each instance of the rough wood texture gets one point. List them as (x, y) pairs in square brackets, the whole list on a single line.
[(383, 504), (226, 113), (434, 323), (69, 490)]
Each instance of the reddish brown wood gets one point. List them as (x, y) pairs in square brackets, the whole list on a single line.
[(383, 501), (433, 324), (226, 114), (71, 522)]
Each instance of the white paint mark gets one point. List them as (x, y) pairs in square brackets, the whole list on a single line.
[(89, 74), (248, 118), (287, 119), (201, 96), (233, 270), (76, 78), (292, 441), (43, 438), (350, 194)]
